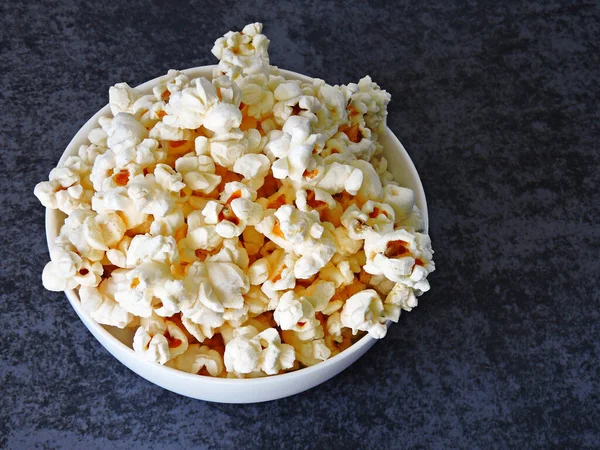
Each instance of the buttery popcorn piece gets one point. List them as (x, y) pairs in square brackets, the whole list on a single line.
[(215, 285), (68, 187), (364, 311), (295, 313), (373, 217), (199, 359), (198, 172), (159, 340), (302, 233), (309, 352), (250, 351), (401, 256), (100, 305), (243, 53), (235, 210)]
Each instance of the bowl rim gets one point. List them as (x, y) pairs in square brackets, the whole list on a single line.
[(53, 216)]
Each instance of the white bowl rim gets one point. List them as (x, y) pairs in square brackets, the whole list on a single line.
[(95, 327)]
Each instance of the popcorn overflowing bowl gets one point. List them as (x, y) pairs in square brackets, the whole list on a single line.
[(233, 244)]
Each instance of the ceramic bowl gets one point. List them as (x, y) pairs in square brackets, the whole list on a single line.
[(224, 390)]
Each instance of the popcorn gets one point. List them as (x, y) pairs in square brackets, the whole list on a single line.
[(215, 285), (122, 97), (303, 234), (372, 218), (198, 172), (400, 297), (163, 132), (293, 148), (310, 352), (379, 163), (128, 143), (222, 117), (148, 111), (118, 256), (188, 107), (258, 272), (285, 195), (173, 81), (256, 95), (275, 356), (334, 102), (168, 178), (107, 176), (168, 224), (117, 199), (66, 189), (364, 311), (202, 235), (159, 340), (198, 359), (89, 153), (319, 293), (124, 133), (242, 226), (234, 211), (363, 149), (309, 198), (254, 168), (236, 317), (149, 197), (401, 256), (356, 261), (370, 187), (225, 149), (146, 289), (253, 240), (340, 177), (97, 137), (203, 331), (380, 283), (67, 269), (370, 101), (339, 274), (295, 313), (143, 247), (337, 344), (346, 245), (292, 101), (232, 252), (281, 273), (92, 234), (401, 199), (243, 53), (250, 351), (335, 326), (103, 308), (257, 301), (228, 91)]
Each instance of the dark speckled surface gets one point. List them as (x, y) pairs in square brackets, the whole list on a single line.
[(498, 107)]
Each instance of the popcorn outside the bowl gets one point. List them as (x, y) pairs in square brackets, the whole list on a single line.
[(243, 226)]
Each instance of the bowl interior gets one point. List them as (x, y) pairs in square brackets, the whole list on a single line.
[(118, 341)]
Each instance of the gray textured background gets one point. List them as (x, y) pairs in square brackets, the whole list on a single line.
[(498, 107)]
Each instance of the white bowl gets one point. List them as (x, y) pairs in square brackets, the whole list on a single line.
[(225, 390)]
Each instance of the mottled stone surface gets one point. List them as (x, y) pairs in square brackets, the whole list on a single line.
[(498, 107)]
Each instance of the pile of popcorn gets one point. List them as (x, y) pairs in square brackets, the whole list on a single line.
[(244, 226)]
